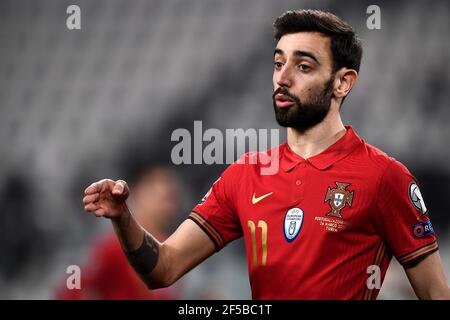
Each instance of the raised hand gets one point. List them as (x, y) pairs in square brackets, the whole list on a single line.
[(106, 198)]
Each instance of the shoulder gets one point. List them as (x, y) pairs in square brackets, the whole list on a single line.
[(390, 172), (381, 161)]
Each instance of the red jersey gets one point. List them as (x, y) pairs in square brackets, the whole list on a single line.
[(321, 228)]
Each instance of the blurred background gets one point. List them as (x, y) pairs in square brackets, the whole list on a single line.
[(81, 105)]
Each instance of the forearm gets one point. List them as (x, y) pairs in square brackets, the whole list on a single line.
[(161, 264), (107, 198), (438, 292), (143, 251), (434, 289), (442, 293), (428, 279)]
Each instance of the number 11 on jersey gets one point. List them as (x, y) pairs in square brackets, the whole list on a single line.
[(263, 226)]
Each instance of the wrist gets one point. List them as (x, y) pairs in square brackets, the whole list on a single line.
[(123, 216)]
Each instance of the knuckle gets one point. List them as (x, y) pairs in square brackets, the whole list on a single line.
[(104, 181)]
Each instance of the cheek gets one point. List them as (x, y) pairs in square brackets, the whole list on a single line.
[(305, 93), (307, 87), (302, 88), (309, 92)]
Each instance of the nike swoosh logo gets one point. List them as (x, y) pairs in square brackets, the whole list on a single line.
[(255, 199)]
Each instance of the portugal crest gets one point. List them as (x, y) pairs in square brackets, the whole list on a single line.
[(338, 197)]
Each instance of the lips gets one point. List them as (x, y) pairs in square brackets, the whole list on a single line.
[(283, 101)]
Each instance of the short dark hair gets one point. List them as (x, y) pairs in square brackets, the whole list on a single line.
[(346, 48)]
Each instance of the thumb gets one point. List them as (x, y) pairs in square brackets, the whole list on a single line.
[(120, 188)]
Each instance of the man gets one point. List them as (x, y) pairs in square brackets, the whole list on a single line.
[(327, 223)]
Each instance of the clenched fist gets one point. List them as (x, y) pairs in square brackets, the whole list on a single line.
[(106, 198)]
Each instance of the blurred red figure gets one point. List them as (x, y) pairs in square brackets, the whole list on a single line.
[(108, 275)]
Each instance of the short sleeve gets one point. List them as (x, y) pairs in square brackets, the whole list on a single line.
[(216, 214), (403, 220)]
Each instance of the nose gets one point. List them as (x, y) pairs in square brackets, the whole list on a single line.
[(283, 77)]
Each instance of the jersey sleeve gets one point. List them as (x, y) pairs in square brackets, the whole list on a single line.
[(216, 214), (403, 220)]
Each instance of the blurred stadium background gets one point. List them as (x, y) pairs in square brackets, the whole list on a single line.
[(76, 106)]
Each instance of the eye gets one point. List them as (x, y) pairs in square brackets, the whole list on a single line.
[(278, 65), (304, 67)]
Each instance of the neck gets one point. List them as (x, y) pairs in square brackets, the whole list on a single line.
[(313, 141)]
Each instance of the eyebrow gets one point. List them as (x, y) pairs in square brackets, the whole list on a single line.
[(298, 53)]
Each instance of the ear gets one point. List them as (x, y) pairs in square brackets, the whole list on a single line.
[(344, 81)]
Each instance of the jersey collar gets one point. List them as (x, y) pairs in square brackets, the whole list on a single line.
[(337, 151)]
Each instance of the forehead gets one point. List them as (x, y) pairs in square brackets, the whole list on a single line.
[(313, 42)]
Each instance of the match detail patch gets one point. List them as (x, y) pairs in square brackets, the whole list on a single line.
[(422, 229), (417, 199)]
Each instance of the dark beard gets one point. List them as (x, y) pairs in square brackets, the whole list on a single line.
[(304, 116)]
